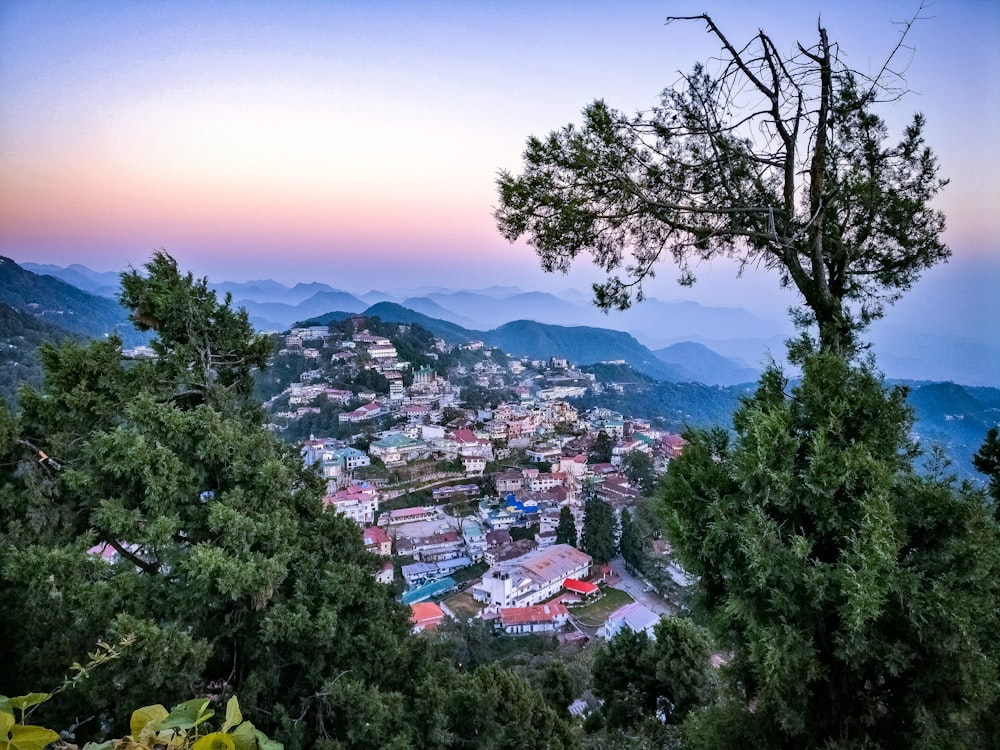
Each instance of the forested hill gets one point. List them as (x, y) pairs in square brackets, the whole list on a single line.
[(60, 304), (582, 345), (20, 336), (956, 417)]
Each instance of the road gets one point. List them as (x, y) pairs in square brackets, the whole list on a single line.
[(639, 590)]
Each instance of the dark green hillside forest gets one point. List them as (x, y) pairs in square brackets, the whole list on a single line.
[(20, 336), (221, 562)]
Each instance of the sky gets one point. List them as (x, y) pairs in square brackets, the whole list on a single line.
[(358, 143)]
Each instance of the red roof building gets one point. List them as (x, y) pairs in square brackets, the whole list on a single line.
[(535, 619), (580, 587), (425, 616)]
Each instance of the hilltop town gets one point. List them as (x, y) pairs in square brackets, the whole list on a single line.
[(459, 462)]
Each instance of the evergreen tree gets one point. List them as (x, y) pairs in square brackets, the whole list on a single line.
[(987, 462), (223, 563), (600, 453), (566, 530), (639, 469), (664, 677), (600, 529), (630, 543), (858, 597)]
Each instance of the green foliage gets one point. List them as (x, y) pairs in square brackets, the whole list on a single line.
[(600, 529), (600, 453), (630, 543), (566, 530), (772, 159), (664, 678), (859, 598), (987, 462), (638, 467), (221, 562), (225, 566)]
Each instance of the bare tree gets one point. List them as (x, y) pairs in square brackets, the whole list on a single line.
[(776, 160)]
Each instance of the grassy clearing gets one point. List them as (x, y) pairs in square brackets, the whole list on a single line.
[(464, 606), (593, 615)]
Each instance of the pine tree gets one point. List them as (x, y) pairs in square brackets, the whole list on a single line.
[(600, 530), (566, 530), (223, 562), (858, 597)]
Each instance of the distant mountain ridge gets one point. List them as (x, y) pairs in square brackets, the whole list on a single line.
[(932, 340), (582, 345), (61, 304)]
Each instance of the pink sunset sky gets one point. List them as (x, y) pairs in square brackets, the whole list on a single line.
[(357, 143)]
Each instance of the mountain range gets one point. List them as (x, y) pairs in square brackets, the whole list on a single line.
[(686, 382)]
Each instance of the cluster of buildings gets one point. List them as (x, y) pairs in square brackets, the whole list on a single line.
[(526, 580)]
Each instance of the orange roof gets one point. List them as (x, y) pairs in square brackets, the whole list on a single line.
[(538, 613), (425, 612)]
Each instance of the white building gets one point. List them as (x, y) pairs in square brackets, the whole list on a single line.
[(533, 578), (635, 617)]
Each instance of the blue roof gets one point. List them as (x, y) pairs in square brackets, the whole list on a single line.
[(429, 590)]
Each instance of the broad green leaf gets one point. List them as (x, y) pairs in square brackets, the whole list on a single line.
[(143, 717), (233, 714), (245, 736), (24, 702), (20, 737), (215, 741), (107, 745), (266, 743), (6, 722), (188, 715)]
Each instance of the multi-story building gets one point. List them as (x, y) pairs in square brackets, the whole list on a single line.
[(533, 578)]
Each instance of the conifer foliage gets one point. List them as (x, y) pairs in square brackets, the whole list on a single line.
[(217, 553), (859, 598)]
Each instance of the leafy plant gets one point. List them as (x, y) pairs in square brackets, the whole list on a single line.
[(183, 729)]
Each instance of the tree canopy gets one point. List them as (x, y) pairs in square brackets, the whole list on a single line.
[(858, 597), (147, 498), (600, 530), (776, 160)]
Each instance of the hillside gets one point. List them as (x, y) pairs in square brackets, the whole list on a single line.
[(581, 344), (20, 336), (280, 316), (63, 305), (706, 366), (956, 417)]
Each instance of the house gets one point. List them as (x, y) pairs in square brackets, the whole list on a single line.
[(508, 481), (406, 515), (540, 618), (359, 502), (545, 538), (417, 573), (582, 588), (672, 445), (475, 539), (497, 537), (510, 551), (543, 455), (433, 548), (534, 577), (386, 574), (398, 449), (474, 465), (469, 444), (361, 414), (542, 482), (425, 616), (377, 541), (635, 616)]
